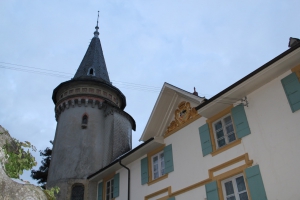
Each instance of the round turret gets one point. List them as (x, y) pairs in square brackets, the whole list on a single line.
[(92, 127)]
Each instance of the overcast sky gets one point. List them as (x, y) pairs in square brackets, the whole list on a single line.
[(206, 44)]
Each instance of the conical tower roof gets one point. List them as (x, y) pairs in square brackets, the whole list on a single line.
[(93, 64), (91, 79)]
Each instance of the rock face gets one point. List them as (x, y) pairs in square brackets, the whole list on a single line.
[(9, 189)]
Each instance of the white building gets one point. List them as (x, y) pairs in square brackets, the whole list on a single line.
[(240, 144)]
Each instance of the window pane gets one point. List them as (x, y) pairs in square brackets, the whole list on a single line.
[(218, 125), (155, 175), (231, 137), (221, 142), (155, 159), (229, 128), (229, 188), (231, 198), (220, 133), (161, 155), (227, 120), (243, 196), (240, 183), (155, 167)]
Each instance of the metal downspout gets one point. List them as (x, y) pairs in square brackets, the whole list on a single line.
[(128, 179)]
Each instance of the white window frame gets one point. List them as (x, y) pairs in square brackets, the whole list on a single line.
[(224, 130), (111, 190), (236, 193), (160, 167)]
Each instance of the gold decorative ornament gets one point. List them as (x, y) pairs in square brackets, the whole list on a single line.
[(184, 114)]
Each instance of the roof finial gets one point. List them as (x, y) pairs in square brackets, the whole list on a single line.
[(195, 92), (96, 33)]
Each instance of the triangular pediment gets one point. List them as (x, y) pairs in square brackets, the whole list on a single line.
[(173, 108)]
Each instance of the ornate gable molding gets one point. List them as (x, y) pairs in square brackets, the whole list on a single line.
[(184, 115)]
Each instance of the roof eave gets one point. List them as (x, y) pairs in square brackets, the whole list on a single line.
[(171, 99), (283, 62)]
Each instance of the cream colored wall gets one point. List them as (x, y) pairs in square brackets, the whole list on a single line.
[(273, 144), (274, 140)]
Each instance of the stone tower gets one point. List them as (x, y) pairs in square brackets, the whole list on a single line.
[(92, 127)]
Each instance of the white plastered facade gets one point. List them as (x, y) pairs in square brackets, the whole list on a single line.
[(272, 144)]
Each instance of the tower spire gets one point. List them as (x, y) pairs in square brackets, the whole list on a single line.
[(93, 64), (96, 33)]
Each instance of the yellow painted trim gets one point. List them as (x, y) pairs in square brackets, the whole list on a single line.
[(220, 191), (158, 179), (213, 119), (220, 114), (244, 157), (247, 187), (217, 178), (191, 187), (163, 198), (212, 136), (149, 155), (210, 121), (297, 71), (231, 172), (107, 178), (167, 189), (228, 146), (182, 126)]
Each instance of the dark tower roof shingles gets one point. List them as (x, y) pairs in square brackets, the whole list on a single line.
[(93, 58)]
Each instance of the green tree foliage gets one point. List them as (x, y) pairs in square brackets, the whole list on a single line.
[(18, 159), (42, 173), (51, 193)]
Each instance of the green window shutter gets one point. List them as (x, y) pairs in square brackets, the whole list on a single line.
[(291, 86), (171, 198), (212, 191), (205, 139), (240, 121), (100, 191), (144, 171), (116, 185), (255, 183), (168, 158)]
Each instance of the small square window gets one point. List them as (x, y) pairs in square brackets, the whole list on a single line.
[(224, 131), (158, 165), (234, 188)]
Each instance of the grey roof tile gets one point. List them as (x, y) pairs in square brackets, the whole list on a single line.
[(93, 59)]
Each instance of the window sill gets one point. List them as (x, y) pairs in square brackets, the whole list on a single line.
[(158, 179), (228, 146)]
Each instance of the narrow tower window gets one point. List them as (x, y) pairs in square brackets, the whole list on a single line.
[(91, 72), (77, 191), (84, 121)]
